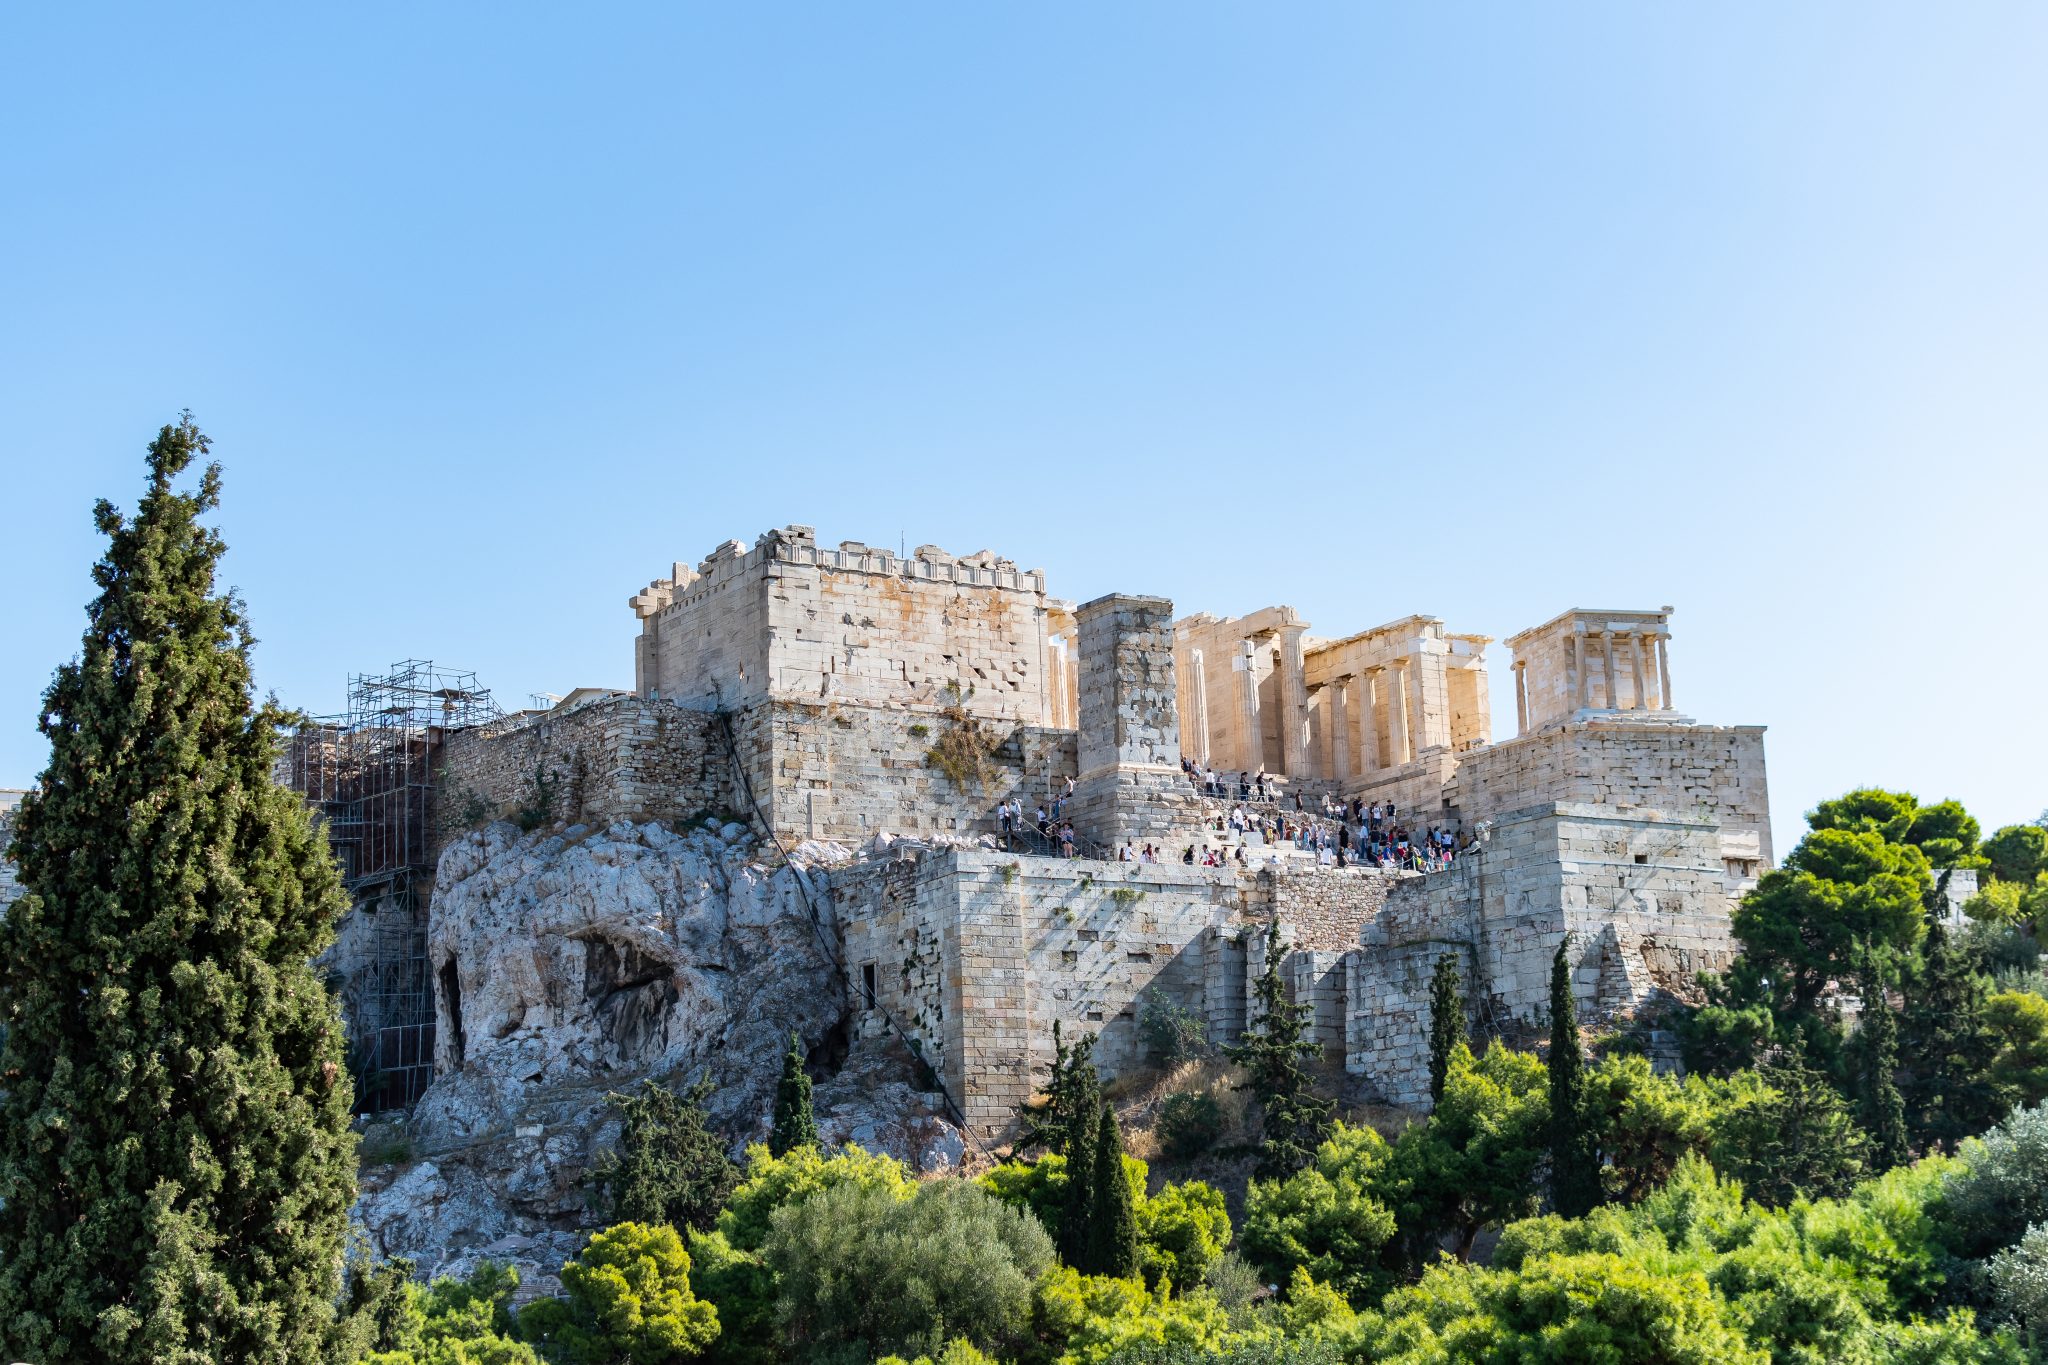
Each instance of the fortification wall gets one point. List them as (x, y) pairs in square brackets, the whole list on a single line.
[(854, 625), (847, 772), (1710, 771), (626, 758), (977, 953)]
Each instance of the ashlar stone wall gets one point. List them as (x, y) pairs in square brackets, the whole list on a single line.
[(790, 620), (626, 758), (1703, 771)]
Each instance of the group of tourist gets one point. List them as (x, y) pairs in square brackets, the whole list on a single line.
[(1049, 820), (1337, 833)]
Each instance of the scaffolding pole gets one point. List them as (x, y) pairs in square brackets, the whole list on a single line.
[(370, 772)]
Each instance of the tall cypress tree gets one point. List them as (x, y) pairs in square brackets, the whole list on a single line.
[(1073, 1088), (1074, 1243), (1574, 1161), (1880, 1107), (175, 1158), (795, 1125), (1947, 1044), (1446, 1022), (1113, 1223), (1274, 1054)]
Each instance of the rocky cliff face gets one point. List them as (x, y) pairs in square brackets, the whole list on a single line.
[(578, 961)]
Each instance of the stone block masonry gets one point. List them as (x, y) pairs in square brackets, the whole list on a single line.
[(626, 758), (790, 620), (1131, 787)]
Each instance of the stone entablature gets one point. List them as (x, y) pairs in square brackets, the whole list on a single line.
[(1585, 661)]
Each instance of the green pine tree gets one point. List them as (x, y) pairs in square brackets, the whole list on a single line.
[(1446, 1022), (1800, 1142), (1947, 1044), (1073, 1088), (1083, 1102), (795, 1125), (1274, 1055), (1574, 1159), (176, 1164), (1880, 1107), (1113, 1221), (669, 1167)]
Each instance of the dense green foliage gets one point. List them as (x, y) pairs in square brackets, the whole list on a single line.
[(1112, 1245), (454, 1322), (1797, 1139), (175, 1160), (1328, 1218), (627, 1301), (730, 1272), (1574, 1162), (1275, 1053), (669, 1166), (1879, 1106), (1840, 891), (795, 1125), (1948, 1044), (1181, 1230), (864, 1268), (1172, 1032), (1446, 1022), (1073, 1092), (1190, 1123)]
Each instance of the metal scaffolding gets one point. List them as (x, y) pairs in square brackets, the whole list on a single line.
[(371, 774)]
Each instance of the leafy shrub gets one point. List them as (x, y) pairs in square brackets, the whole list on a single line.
[(2000, 1188), (628, 1299), (1040, 1186), (1182, 1231), (454, 1322), (858, 1266), (1235, 1282), (776, 1182), (1325, 1219), (1171, 1032), (669, 1167), (1090, 1319), (957, 1352), (730, 1272), (1190, 1123), (2019, 1280), (1591, 1306)]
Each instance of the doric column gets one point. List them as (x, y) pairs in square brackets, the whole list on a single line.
[(1371, 760), (1415, 679), (1340, 728), (1641, 701), (1293, 703), (1521, 697), (1397, 713), (1250, 753), (1664, 670), (1579, 665)]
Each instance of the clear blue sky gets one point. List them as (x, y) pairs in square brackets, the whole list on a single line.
[(1481, 311)]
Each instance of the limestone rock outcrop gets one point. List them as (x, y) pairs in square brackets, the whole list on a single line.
[(575, 962)]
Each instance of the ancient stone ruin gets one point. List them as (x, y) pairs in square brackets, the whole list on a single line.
[(791, 822)]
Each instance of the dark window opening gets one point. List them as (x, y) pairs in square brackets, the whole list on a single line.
[(1642, 857), (867, 982)]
